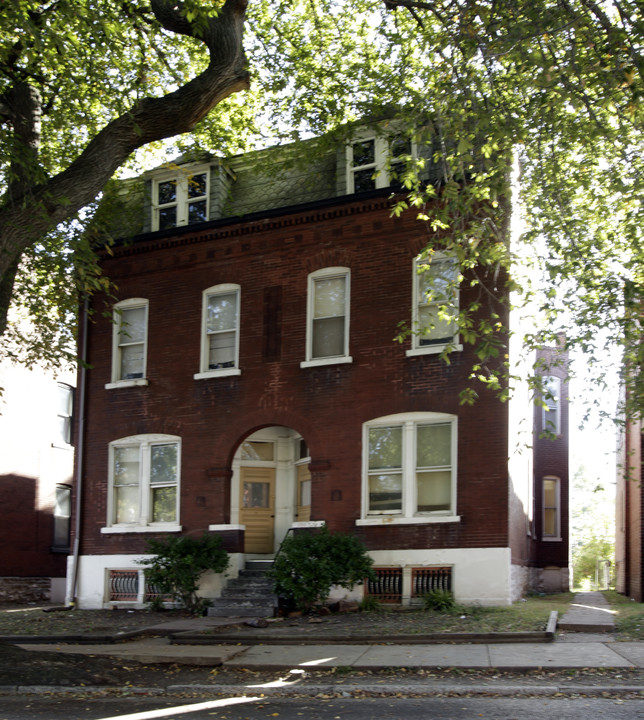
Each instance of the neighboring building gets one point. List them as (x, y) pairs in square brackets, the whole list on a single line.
[(36, 465), (629, 508), (549, 533), (250, 383)]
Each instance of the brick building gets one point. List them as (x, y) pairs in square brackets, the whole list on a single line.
[(250, 382), (36, 465)]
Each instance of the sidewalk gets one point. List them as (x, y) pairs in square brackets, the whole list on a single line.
[(589, 646)]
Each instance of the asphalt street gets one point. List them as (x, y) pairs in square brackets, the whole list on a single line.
[(258, 708)]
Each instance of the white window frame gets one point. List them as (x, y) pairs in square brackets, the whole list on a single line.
[(382, 160), (551, 423), (556, 537), (417, 348), (117, 380), (206, 372), (182, 201), (408, 514), (326, 273), (144, 523), (64, 416)]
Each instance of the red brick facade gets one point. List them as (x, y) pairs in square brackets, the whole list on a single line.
[(270, 260)]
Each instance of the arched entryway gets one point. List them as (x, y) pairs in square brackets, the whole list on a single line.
[(270, 487)]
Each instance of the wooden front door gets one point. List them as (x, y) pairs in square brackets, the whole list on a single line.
[(257, 508), (303, 493)]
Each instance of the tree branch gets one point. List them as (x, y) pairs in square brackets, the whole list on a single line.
[(33, 210)]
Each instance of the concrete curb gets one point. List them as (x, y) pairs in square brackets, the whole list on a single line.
[(339, 690), (190, 638)]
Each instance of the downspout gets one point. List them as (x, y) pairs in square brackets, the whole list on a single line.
[(80, 444)]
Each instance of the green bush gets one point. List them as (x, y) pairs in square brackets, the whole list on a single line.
[(179, 562), (439, 600), (309, 563)]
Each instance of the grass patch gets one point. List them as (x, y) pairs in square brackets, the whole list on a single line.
[(524, 616), (629, 616)]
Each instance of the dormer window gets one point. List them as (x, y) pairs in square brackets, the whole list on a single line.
[(180, 199), (371, 159)]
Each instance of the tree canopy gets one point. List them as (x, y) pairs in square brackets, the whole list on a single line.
[(552, 87)]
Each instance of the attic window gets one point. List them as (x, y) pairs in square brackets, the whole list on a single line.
[(180, 199), (371, 161)]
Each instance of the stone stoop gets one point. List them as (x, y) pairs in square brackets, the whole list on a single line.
[(249, 594)]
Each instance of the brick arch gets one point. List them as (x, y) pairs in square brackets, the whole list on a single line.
[(251, 422)]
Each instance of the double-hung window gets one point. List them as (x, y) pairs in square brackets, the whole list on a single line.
[(435, 305), (180, 199), (409, 469), (129, 347), (327, 331), (64, 415), (220, 331), (372, 160), (551, 415), (144, 482), (551, 509)]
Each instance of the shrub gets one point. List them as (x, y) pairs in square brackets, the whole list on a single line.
[(439, 600), (309, 563), (179, 562)]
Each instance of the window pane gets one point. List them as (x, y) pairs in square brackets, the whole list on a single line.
[(550, 522), (126, 504), (197, 185), (163, 464), (221, 312), (385, 492), (164, 504), (434, 446), (167, 218), (434, 329), (364, 153), (222, 350), (329, 298), (64, 429), (550, 493), (255, 495), (328, 338), (63, 506), (253, 450), (197, 212), (132, 362), (399, 145), (126, 466), (65, 395), (167, 192), (363, 180), (305, 492), (132, 325), (385, 447), (437, 283), (434, 491)]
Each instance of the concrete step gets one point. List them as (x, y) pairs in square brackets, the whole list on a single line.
[(241, 608), (250, 593)]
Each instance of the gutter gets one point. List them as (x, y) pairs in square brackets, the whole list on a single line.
[(80, 444)]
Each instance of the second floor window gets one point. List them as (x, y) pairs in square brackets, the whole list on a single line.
[(435, 309), (64, 414), (220, 329), (551, 420), (328, 316), (180, 200), (130, 340)]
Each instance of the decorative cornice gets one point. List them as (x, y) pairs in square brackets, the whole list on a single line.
[(229, 228)]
